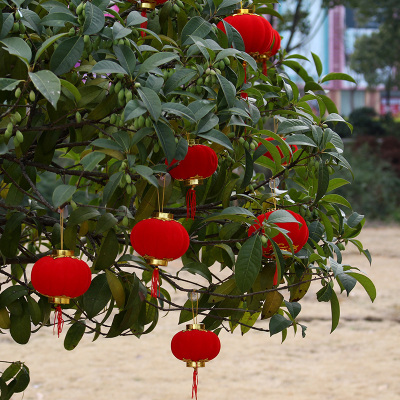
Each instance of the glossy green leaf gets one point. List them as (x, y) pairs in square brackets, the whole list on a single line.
[(167, 139), (19, 48), (366, 283), (97, 296), (272, 303), (48, 85), (199, 269), (66, 55), (108, 67), (62, 194), (74, 335), (248, 263), (126, 58), (278, 323), (94, 19), (338, 76), (335, 311), (91, 160), (108, 251), (151, 101), (82, 214), (155, 60)]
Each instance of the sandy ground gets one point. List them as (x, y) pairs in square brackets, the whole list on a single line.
[(360, 360)]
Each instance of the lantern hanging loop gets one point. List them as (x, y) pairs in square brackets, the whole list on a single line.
[(195, 311)]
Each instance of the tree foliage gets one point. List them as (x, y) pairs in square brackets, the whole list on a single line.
[(93, 103)]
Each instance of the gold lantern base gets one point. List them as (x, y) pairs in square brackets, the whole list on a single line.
[(193, 181), (63, 253), (148, 5), (156, 262), (163, 216), (195, 364), (59, 299), (198, 327)]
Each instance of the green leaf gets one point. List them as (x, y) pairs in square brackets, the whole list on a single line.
[(106, 222), (20, 328), (74, 335), (11, 371), (278, 323), (335, 198), (325, 293), (151, 101), (224, 288), (199, 269), (301, 140), (19, 48), (9, 84), (62, 194), (6, 23), (336, 183), (249, 320), (111, 186), (11, 235), (82, 214), (167, 139), (337, 76), (134, 18), (108, 67), (58, 19), (323, 181), (178, 78), (318, 63), (217, 137), (196, 26), (91, 160), (126, 58), (108, 251), (66, 55), (94, 19), (248, 263), (292, 126), (119, 31), (48, 85), (180, 110), (12, 293), (228, 89), (134, 109), (293, 308), (155, 60), (335, 310), (97, 296), (273, 301), (31, 19), (366, 283)]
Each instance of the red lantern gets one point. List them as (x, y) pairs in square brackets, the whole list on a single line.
[(60, 278), (269, 155), (200, 163), (276, 44), (195, 346), (257, 34), (298, 233), (148, 6), (159, 239)]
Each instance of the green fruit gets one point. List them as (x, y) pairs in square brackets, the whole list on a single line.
[(128, 189), (128, 95), (121, 95), (128, 179), (137, 85), (117, 87), (17, 16), (16, 143), (120, 75), (15, 28), (231, 135), (125, 221), (19, 136), (32, 95), (208, 71), (17, 116), (111, 89), (17, 92), (79, 9), (141, 121), (176, 8), (251, 188), (180, 3), (86, 39), (221, 65), (241, 140), (199, 81), (22, 28), (252, 146), (264, 240), (149, 122), (71, 32), (199, 89), (238, 245), (208, 80), (133, 190), (227, 61), (8, 134), (156, 147), (136, 124), (113, 119)]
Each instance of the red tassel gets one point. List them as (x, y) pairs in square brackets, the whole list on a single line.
[(58, 319), (264, 70), (143, 24), (155, 283), (275, 282), (243, 95), (190, 203), (195, 383)]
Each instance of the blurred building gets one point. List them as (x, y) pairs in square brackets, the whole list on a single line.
[(332, 37)]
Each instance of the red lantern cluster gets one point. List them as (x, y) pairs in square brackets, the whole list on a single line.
[(298, 233), (260, 39), (195, 346), (60, 278), (159, 239), (269, 155), (199, 163)]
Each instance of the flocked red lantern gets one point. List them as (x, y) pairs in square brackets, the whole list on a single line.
[(269, 155), (148, 6), (276, 44), (297, 232), (159, 239), (257, 34), (61, 277), (199, 163), (195, 346)]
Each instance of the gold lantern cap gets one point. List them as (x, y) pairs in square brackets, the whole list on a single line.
[(148, 5), (163, 216), (63, 253), (198, 327)]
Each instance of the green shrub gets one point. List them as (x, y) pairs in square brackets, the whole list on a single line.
[(375, 190)]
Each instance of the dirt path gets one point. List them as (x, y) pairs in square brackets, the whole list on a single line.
[(359, 361)]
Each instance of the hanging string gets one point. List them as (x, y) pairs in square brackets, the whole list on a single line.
[(61, 211), (158, 196), (58, 320), (244, 95), (192, 295), (191, 203), (273, 184), (195, 383), (163, 195), (155, 283)]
